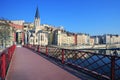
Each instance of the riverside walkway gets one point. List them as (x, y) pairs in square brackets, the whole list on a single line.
[(26, 65)]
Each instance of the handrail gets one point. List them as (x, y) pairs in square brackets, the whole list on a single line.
[(105, 66), (5, 59)]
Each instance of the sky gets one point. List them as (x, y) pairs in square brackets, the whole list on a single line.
[(94, 17)]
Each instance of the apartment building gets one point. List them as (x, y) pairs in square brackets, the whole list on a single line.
[(83, 39)]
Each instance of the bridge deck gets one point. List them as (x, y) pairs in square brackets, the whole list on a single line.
[(26, 65)]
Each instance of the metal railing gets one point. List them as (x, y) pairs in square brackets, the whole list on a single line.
[(5, 59), (97, 62)]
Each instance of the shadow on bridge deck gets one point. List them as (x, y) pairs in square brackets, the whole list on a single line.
[(26, 65)]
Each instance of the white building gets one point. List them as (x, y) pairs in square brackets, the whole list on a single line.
[(96, 39), (111, 39), (42, 38), (37, 36), (18, 22)]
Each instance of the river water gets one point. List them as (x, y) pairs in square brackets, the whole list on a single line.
[(99, 63)]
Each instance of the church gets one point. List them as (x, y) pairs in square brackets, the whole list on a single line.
[(38, 36), (36, 33)]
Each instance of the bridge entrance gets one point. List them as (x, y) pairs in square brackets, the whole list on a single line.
[(19, 37)]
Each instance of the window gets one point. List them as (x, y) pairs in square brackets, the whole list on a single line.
[(41, 37), (36, 40)]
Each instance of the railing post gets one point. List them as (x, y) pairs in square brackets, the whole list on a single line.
[(37, 48), (12, 49), (113, 68), (63, 56), (29, 46), (46, 50), (32, 47), (9, 55), (3, 66)]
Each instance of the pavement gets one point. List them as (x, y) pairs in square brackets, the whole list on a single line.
[(27, 65)]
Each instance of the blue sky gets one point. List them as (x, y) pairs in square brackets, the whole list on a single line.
[(95, 17)]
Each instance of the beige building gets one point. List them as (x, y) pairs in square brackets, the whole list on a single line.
[(28, 26), (115, 39), (6, 39), (69, 39), (59, 38), (83, 39), (63, 38), (91, 42), (18, 22)]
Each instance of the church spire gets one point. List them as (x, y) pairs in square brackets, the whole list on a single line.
[(37, 13), (37, 18)]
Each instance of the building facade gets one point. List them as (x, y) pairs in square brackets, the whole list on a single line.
[(38, 35), (83, 39), (111, 39)]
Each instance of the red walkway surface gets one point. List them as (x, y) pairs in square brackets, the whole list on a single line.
[(26, 65)]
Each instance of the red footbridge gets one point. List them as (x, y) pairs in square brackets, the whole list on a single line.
[(34, 62)]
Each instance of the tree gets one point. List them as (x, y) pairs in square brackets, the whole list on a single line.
[(4, 32)]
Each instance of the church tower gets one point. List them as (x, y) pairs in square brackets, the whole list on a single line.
[(36, 25), (37, 19)]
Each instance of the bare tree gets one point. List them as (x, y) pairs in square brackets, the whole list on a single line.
[(4, 32)]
